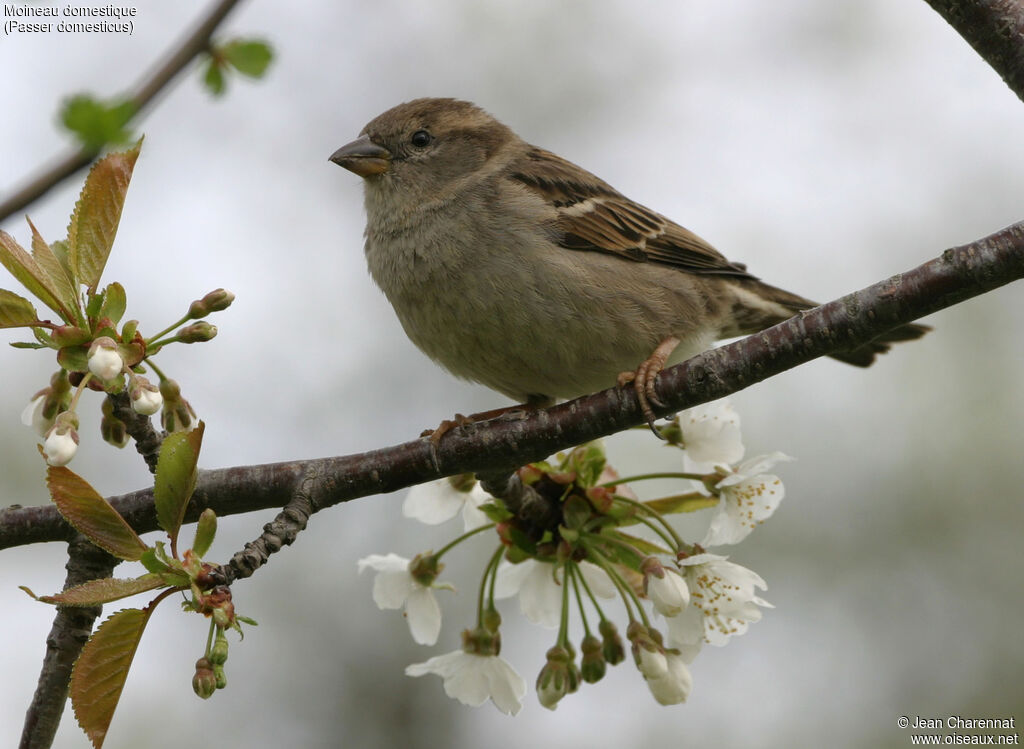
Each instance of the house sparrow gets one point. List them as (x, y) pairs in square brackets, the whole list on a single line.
[(517, 269)]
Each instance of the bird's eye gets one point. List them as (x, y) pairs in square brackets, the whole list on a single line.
[(420, 138)]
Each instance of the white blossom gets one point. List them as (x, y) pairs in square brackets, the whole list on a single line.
[(394, 587), (669, 593), (747, 497), (60, 445), (33, 417), (473, 679), (711, 436), (672, 687), (104, 360), (437, 501), (723, 603), (539, 586)]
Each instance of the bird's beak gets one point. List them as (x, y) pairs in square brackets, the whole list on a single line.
[(363, 156)]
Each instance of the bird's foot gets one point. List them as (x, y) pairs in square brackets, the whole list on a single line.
[(644, 377)]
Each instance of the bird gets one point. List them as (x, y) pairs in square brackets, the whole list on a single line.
[(513, 267)]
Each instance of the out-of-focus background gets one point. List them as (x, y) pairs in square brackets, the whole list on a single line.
[(827, 145)]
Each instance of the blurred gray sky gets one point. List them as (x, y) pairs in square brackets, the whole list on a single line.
[(827, 145)]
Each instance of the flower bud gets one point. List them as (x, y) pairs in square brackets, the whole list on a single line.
[(204, 682), (613, 649), (553, 680), (220, 676), (61, 442), (593, 664), (215, 301), (666, 588), (146, 397), (112, 429), (219, 651), (648, 655), (104, 360), (178, 414), (197, 332)]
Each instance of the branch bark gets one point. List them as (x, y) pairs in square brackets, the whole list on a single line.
[(492, 447), (71, 628), (995, 29), (145, 91)]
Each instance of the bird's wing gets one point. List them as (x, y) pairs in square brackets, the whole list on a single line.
[(593, 216)]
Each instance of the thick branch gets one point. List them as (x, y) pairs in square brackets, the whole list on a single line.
[(145, 91), (995, 29), (959, 274), (71, 628)]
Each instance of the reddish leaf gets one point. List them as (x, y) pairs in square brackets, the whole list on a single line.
[(97, 213), (23, 267), (64, 287), (16, 311), (92, 515), (176, 478), (104, 591), (102, 669)]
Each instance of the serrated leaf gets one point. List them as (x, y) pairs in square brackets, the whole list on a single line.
[(152, 562), (114, 303), (176, 478), (92, 515), (97, 213), (96, 123), (621, 554), (100, 672), (74, 358), (689, 502), (213, 78), (206, 530), (104, 591), (248, 56), (16, 311), (63, 285), (24, 267)]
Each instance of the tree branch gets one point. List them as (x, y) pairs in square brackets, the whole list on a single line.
[(72, 626), (145, 91), (491, 447), (995, 29)]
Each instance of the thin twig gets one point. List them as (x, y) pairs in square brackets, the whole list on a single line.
[(501, 445), (145, 91)]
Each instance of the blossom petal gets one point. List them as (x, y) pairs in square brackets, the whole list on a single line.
[(433, 503), (424, 615)]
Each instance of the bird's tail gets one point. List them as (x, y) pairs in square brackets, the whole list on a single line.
[(759, 306)]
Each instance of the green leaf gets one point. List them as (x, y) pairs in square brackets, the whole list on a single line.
[(104, 591), (114, 303), (92, 515), (97, 213), (16, 311), (213, 78), (176, 478), (64, 286), (100, 672), (206, 529), (248, 56), (96, 123), (26, 344), (689, 502), (24, 267)]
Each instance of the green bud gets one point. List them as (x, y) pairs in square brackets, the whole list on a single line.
[(613, 649), (206, 529), (576, 511), (553, 680), (112, 429), (593, 664), (219, 651), (197, 332), (221, 677), (215, 301), (204, 682)]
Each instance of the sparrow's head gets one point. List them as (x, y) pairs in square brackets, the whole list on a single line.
[(424, 146)]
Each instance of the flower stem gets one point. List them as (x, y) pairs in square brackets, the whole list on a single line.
[(576, 576), (675, 541), (660, 475), (490, 572), (462, 538)]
